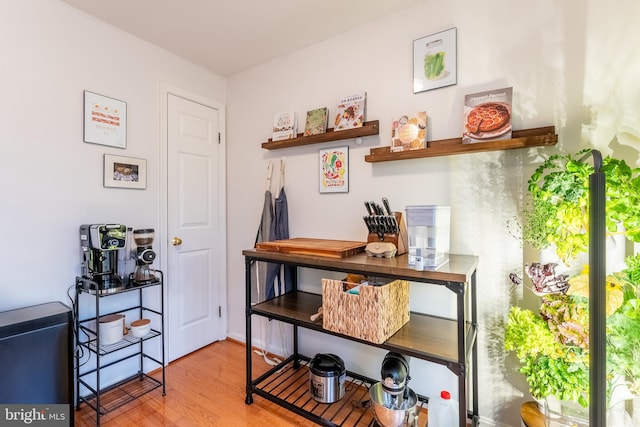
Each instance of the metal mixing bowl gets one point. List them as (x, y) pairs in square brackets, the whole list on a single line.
[(393, 411)]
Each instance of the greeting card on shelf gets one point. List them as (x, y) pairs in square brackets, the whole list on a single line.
[(409, 132), (487, 116), (316, 121), (350, 111), (284, 126)]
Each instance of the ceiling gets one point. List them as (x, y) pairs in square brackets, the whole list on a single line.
[(229, 36)]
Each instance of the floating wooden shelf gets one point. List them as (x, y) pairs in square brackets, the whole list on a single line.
[(367, 129), (537, 137)]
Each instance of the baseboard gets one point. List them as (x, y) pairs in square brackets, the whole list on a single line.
[(254, 348), (273, 348)]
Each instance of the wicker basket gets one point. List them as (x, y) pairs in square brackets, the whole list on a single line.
[(374, 315)]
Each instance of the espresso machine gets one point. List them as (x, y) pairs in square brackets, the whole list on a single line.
[(100, 245), (394, 403), (145, 255)]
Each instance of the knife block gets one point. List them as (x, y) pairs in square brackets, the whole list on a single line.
[(399, 239)]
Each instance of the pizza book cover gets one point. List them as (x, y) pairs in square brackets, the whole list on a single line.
[(487, 116), (284, 126), (316, 121), (409, 132), (350, 111)]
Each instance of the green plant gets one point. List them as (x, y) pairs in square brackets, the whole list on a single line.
[(557, 212), (623, 328), (553, 344), (536, 227), (551, 368), (623, 197), (632, 270)]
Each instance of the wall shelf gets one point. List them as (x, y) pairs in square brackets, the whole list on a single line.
[(537, 137), (367, 129)]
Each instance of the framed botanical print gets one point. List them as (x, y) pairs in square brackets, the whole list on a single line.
[(334, 170), (435, 61)]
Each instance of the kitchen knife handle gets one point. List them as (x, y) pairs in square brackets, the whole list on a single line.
[(385, 202), (394, 223), (367, 222), (373, 207), (379, 209), (368, 206)]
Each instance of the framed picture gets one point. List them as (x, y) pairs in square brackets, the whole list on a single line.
[(105, 120), (125, 172), (435, 61), (334, 170)]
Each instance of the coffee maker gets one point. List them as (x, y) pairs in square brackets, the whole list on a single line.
[(143, 239), (100, 244)]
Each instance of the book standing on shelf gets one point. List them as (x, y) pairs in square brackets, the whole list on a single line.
[(316, 121), (284, 126), (409, 132), (487, 116), (350, 111)]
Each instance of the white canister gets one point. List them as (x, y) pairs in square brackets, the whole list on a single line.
[(140, 328), (111, 329)]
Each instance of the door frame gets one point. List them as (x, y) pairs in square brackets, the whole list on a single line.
[(165, 91)]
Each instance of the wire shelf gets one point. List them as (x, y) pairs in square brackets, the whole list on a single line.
[(126, 341), (288, 386), (123, 392)]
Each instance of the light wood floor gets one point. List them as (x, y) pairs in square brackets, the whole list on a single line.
[(205, 388)]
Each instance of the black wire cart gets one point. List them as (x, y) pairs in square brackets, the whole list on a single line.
[(105, 399)]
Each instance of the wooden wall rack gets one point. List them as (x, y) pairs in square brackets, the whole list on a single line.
[(537, 137), (367, 129)]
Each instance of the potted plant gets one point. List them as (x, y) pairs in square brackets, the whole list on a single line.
[(557, 211), (552, 345), (623, 328)]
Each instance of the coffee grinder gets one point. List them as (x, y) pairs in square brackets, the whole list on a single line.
[(100, 244), (143, 238)]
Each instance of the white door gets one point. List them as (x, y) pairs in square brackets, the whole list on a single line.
[(193, 225)]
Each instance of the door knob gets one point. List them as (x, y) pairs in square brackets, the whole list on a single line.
[(176, 241)]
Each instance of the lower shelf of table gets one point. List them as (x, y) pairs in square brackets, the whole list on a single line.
[(427, 337), (288, 386), (121, 393)]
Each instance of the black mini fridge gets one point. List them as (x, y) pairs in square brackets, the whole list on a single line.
[(36, 363)]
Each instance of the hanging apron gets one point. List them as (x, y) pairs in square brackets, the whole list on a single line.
[(279, 276), (264, 230)]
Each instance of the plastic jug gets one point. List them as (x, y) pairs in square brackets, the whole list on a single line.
[(443, 412)]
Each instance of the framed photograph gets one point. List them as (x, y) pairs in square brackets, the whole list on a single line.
[(125, 172), (435, 61), (334, 170), (105, 120)]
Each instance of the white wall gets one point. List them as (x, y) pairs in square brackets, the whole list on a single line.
[(572, 64), (51, 179)]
